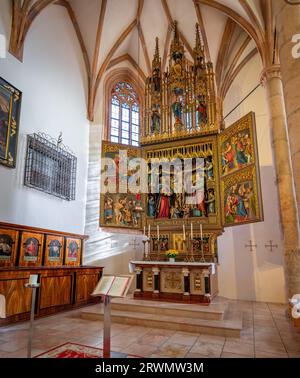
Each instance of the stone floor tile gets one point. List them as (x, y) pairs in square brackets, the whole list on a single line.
[(260, 354), (269, 347), (234, 355), (122, 340), (183, 338), (152, 339), (207, 349), (239, 347), (142, 350), (173, 350)]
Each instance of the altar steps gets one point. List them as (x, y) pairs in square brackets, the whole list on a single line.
[(215, 311), (178, 317)]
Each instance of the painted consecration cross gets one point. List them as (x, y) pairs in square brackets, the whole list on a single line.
[(134, 244), (271, 245), (251, 246)]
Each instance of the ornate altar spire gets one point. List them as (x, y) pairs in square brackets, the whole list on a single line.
[(199, 48), (156, 62), (177, 48), (180, 101)]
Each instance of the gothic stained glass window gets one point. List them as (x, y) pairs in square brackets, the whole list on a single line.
[(124, 123)]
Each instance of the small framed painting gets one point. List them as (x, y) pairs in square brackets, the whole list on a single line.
[(31, 250), (8, 247), (54, 252), (73, 252), (10, 104)]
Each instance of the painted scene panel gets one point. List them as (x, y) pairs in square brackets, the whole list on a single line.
[(8, 247), (237, 146), (241, 199), (54, 250), (73, 252), (10, 103), (119, 206)]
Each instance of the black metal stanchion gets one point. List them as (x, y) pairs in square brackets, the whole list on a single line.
[(107, 325), (30, 333)]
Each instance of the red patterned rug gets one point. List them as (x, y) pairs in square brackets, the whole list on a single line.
[(72, 350)]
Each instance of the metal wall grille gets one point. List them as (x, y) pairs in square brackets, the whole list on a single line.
[(50, 167)]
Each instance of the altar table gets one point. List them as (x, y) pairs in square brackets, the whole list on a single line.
[(188, 282)]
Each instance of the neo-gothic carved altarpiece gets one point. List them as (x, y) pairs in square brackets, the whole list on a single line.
[(181, 121)]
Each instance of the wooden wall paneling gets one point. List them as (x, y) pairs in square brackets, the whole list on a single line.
[(62, 288), (56, 291), (85, 284), (18, 298)]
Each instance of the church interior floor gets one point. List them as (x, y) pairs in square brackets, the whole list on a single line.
[(267, 332)]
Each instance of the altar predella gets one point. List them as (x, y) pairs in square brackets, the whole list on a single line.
[(181, 121)]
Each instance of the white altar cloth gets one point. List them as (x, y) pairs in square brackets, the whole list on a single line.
[(132, 264)]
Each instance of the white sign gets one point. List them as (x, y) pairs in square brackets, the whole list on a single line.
[(2, 46), (33, 278), (296, 48)]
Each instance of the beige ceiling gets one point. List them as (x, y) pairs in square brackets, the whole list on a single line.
[(112, 31), (154, 23)]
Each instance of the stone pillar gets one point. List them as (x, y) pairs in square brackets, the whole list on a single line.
[(271, 78), (186, 281), (207, 289), (206, 275), (287, 18), (139, 279), (156, 280)]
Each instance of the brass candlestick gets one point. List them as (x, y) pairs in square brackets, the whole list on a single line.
[(148, 256), (158, 249), (144, 243), (191, 259), (186, 250), (202, 252)]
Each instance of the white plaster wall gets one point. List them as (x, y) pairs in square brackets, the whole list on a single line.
[(257, 275), (53, 83), (111, 250)]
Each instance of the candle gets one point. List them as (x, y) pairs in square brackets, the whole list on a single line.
[(201, 231), (183, 232), (192, 236), (158, 232), (149, 227)]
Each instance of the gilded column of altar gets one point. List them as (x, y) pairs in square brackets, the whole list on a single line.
[(163, 107), (145, 124), (170, 126), (288, 208), (166, 105), (147, 96), (213, 94), (287, 25), (194, 120)]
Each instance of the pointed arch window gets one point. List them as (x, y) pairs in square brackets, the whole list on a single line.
[(124, 122)]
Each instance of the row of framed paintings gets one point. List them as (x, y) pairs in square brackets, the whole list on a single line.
[(22, 248)]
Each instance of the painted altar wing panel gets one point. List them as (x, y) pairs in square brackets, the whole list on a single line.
[(10, 103), (239, 173), (119, 207)]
